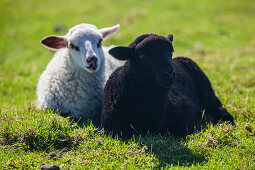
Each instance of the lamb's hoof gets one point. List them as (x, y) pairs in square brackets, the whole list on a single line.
[(226, 116), (64, 114), (71, 118)]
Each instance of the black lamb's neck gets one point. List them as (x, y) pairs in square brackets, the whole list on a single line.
[(147, 104)]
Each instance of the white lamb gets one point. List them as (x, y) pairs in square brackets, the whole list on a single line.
[(74, 79)]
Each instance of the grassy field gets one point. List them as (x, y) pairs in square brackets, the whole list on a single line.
[(218, 35)]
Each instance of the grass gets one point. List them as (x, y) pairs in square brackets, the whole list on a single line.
[(218, 35)]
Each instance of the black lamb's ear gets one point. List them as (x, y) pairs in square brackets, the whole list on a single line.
[(121, 52), (170, 37)]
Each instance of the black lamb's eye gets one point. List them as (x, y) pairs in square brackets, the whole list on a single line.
[(99, 43), (74, 47)]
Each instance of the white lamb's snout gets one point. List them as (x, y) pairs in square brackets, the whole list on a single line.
[(89, 49), (91, 62)]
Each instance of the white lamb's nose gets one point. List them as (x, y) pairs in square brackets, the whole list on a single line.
[(91, 60)]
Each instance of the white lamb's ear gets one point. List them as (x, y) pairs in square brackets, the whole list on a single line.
[(106, 32), (53, 42)]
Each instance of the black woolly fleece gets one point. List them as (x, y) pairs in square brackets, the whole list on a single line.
[(132, 106)]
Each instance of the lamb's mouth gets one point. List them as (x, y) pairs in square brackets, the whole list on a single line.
[(168, 80), (92, 67), (166, 84)]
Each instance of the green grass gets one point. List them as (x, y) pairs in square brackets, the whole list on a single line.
[(218, 35)]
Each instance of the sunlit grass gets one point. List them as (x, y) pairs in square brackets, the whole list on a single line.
[(218, 35)]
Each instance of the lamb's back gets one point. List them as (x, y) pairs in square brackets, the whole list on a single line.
[(184, 110)]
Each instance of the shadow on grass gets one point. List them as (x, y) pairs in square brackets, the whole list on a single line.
[(170, 150), (54, 133)]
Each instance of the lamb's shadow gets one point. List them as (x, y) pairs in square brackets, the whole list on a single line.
[(170, 150), (80, 122), (94, 123), (167, 149)]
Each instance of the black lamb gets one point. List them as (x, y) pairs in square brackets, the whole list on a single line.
[(153, 93)]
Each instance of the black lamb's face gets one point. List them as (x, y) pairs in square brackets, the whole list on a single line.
[(155, 62), (151, 56)]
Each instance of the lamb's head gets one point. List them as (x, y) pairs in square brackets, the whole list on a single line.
[(150, 56), (83, 42)]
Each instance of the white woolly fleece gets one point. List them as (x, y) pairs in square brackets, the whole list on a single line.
[(110, 62), (66, 86)]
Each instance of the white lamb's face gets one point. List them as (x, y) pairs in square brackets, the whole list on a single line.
[(86, 49), (84, 44)]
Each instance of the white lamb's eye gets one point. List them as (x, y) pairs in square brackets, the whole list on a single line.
[(74, 47), (99, 43)]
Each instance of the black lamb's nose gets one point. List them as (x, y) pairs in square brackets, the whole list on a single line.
[(91, 60), (169, 74)]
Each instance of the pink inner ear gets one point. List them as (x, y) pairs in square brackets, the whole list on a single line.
[(54, 42)]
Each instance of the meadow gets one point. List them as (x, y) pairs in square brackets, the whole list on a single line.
[(218, 35)]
